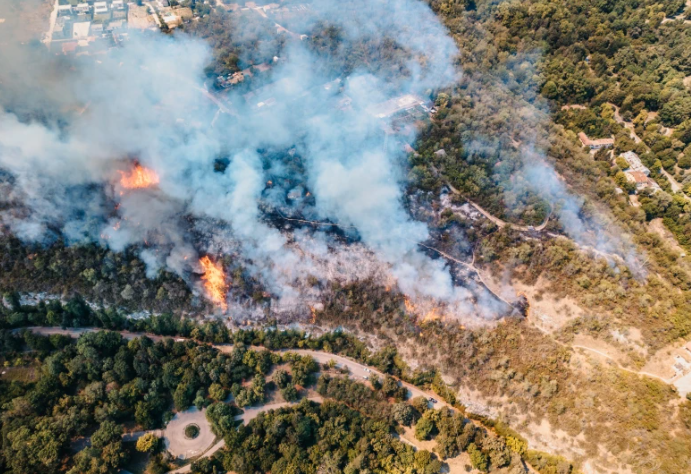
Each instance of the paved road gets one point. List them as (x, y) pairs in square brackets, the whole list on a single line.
[(361, 372), (357, 370)]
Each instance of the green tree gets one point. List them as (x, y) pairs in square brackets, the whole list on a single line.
[(217, 392), (424, 428), (403, 413), (290, 393), (148, 443), (477, 458), (281, 378)]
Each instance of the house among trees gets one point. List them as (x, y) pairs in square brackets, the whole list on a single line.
[(597, 143), (635, 163), (640, 180)]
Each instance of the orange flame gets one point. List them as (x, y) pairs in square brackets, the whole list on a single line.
[(139, 177), (409, 306), (214, 281), (432, 315)]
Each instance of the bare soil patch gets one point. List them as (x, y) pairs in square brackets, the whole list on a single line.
[(453, 465), (656, 226), (548, 312), (662, 362), (20, 374), (28, 18)]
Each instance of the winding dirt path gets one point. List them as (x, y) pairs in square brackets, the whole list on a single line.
[(358, 370), (606, 356), (621, 367), (443, 254), (355, 369), (501, 223)]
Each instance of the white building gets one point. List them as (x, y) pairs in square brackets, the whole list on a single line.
[(64, 10), (80, 30), (635, 163), (100, 7)]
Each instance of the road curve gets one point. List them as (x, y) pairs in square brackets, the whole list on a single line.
[(500, 223), (357, 370), (250, 414)]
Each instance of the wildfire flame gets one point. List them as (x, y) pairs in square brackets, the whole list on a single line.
[(138, 177), (431, 315), (409, 306), (214, 281)]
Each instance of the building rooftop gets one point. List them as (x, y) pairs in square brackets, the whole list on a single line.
[(635, 163), (637, 177), (81, 29), (69, 47), (597, 143), (392, 106)]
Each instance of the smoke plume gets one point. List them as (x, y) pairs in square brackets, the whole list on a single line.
[(315, 142)]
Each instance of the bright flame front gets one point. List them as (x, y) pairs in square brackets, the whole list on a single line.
[(138, 177), (214, 281)]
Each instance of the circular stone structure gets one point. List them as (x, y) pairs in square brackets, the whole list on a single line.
[(191, 431), (175, 435)]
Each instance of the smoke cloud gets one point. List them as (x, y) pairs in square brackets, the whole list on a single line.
[(313, 143), (509, 103)]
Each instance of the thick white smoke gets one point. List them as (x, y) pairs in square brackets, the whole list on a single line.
[(147, 101)]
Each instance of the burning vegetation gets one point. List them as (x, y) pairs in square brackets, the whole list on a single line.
[(433, 314), (214, 281), (139, 177)]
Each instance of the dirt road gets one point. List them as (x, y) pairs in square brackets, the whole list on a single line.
[(154, 14), (500, 223), (48, 38), (356, 369), (249, 414)]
